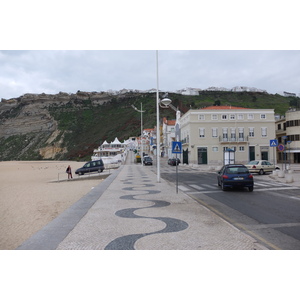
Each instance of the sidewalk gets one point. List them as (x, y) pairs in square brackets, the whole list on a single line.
[(130, 210)]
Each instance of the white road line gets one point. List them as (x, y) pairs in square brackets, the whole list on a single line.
[(261, 184), (277, 189), (197, 187), (183, 188), (210, 186)]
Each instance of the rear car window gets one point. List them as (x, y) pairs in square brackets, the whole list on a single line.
[(237, 170)]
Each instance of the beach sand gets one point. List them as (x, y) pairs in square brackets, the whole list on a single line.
[(31, 196)]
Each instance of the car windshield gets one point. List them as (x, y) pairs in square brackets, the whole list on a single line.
[(253, 162)]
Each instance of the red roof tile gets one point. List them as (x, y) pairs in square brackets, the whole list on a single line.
[(169, 122)]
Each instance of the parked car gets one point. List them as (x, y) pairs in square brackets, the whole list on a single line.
[(231, 176), (173, 161), (147, 160), (91, 166), (260, 166)]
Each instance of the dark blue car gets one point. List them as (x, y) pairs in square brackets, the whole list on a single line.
[(231, 176), (91, 166)]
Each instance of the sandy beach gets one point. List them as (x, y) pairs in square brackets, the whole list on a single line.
[(31, 196)]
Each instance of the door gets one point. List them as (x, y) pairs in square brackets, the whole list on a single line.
[(185, 156), (202, 156), (265, 155), (251, 153)]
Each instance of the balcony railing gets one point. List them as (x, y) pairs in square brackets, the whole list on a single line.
[(233, 139)]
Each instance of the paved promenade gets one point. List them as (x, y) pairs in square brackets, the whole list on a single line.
[(130, 210)]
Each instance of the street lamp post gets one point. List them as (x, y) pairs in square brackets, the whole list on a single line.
[(141, 111), (165, 104), (157, 123)]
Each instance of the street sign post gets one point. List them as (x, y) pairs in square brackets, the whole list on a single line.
[(176, 148), (274, 143)]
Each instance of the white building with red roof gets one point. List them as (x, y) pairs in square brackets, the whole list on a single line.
[(209, 132)]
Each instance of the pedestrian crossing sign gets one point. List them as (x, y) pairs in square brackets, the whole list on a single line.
[(176, 147)]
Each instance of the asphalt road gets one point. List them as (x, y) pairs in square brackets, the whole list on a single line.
[(270, 214)]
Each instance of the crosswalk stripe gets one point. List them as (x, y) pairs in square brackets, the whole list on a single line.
[(183, 188), (197, 187), (261, 184), (210, 186), (206, 188)]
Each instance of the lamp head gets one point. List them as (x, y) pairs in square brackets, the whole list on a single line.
[(166, 101)]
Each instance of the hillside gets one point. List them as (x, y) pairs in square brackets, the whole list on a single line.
[(70, 126)]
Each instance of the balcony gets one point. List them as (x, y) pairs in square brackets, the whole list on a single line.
[(233, 140), (185, 140)]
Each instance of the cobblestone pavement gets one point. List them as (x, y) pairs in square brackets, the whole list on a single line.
[(133, 211), (136, 212)]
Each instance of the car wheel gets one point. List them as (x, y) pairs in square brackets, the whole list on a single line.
[(222, 186), (261, 172), (250, 188)]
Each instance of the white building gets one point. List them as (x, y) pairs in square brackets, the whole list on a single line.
[(208, 133), (168, 133), (288, 134)]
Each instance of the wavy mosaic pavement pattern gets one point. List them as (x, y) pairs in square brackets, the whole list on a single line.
[(127, 242)]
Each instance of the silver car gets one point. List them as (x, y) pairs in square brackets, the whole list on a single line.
[(260, 166)]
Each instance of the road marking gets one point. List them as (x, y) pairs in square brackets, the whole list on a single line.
[(261, 184), (293, 197), (183, 188), (197, 187), (278, 189), (210, 186)]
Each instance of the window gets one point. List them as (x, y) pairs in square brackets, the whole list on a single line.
[(250, 116), (232, 117), (215, 149), (214, 117), (202, 132), (232, 134), (241, 134), (263, 116), (224, 117), (240, 116), (225, 134), (251, 132), (229, 148), (241, 148), (201, 117), (264, 131), (279, 127), (214, 132)]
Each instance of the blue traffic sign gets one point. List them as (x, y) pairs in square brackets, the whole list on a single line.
[(273, 143), (281, 147), (176, 147)]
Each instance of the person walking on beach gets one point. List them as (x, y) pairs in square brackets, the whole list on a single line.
[(69, 171)]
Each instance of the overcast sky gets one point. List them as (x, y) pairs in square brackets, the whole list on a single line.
[(69, 71), (129, 25)]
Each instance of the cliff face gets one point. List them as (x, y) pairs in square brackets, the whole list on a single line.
[(28, 124)]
